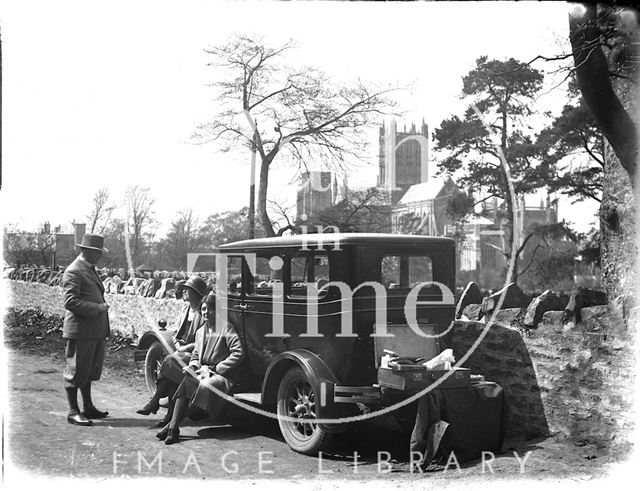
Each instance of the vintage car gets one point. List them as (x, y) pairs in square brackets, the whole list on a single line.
[(316, 313)]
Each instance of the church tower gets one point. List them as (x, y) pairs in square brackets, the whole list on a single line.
[(403, 157)]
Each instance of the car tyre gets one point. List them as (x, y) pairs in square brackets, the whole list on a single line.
[(296, 399), (152, 362)]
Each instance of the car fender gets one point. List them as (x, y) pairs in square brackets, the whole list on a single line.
[(147, 339), (150, 337)]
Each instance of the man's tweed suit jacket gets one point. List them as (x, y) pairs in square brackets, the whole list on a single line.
[(83, 294)]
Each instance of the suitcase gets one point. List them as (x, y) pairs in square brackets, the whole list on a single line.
[(414, 380)]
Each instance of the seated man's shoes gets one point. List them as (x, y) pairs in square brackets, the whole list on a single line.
[(173, 436), (76, 418), (94, 413), (150, 407)]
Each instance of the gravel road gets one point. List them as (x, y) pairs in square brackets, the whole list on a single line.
[(40, 443)]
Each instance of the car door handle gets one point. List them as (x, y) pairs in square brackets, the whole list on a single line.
[(243, 307)]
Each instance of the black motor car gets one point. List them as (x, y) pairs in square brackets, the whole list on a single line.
[(315, 314)]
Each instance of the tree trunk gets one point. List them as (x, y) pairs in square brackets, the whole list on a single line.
[(618, 212), (262, 197), (513, 278), (592, 73), (509, 200), (508, 254)]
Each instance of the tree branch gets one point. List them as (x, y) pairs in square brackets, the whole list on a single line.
[(533, 255)]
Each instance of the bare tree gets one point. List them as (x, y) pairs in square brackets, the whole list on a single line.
[(363, 211), (224, 227), (298, 110), (184, 236), (101, 212), (140, 217), (283, 219)]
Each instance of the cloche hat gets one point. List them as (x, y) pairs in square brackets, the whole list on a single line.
[(197, 284)]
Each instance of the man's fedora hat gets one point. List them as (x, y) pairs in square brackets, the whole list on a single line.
[(93, 241), (197, 284)]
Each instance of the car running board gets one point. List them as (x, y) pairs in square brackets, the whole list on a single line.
[(253, 397)]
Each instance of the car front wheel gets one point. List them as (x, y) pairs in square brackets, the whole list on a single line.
[(152, 362), (297, 401)]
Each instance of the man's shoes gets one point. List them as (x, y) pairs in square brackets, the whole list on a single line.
[(79, 419), (173, 436), (150, 407), (94, 413)]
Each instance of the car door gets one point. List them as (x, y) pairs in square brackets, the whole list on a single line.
[(263, 287), (234, 304)]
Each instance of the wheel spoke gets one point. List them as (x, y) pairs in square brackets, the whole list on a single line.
[(312, 426), (298, 403)]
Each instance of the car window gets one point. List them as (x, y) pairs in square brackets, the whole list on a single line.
[(405, 271), (234, 275), (309, 269), (268, 271)]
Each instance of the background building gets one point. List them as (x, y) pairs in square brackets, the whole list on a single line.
[(46, 247), (403, 158), (422, 209), (67, 236), (318, 191), (485, 236), (407, 200)]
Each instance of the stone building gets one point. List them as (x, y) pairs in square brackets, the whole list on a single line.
[(403, 158), (423, 208), (67, 236), (318, 191), (485, 237), (25, 248), (50, 246)]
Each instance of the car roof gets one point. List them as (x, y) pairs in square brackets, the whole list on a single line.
[(316, 241)]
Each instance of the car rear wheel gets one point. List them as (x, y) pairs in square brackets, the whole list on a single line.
[(152, 362), (297, 401)]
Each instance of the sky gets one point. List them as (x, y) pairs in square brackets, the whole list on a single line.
[(99, 94)]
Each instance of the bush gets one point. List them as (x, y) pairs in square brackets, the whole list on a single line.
[(32, 321)]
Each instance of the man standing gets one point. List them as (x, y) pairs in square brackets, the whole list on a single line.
[(86, 328)]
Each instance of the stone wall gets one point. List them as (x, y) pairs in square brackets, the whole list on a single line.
[(129, 315), (568, 378)]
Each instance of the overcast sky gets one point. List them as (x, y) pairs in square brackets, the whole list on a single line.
[(108, 93)]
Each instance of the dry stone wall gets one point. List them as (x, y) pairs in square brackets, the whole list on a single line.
[(129, 315), (576, 379)]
